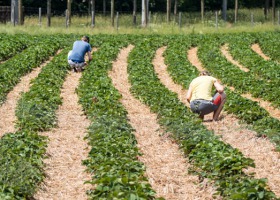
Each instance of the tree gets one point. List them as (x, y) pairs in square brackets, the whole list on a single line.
[(202, 10), (69, 11), (235, 11), (168, 10), (225, 10), (144, 13), (273, 11), (104, 7), (134, 11), (266, 6), (113, 12), (49, 12), (175, 7), (20, 13)]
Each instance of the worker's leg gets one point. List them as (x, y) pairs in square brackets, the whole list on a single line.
[(219, 99)]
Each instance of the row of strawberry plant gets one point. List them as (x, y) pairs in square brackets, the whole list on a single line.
[(245, 109), (248, 111), (269, 43), (12, 44), (240, 49), (210, 54), (22, 63), (21, 169), (113, 157), (211, 158)]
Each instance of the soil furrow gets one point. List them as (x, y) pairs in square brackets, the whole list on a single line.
[(166, 166), (66, 149), (261, 150)]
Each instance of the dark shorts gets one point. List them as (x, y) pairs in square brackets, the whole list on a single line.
[(204, 107)]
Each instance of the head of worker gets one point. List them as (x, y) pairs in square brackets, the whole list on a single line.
[(85, 38), (204, 73)]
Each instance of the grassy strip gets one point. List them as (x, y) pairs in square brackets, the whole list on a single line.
[(113, 158), (21, 169), (211, 158)]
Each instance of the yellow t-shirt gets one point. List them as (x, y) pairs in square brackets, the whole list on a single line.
[(202, 87)]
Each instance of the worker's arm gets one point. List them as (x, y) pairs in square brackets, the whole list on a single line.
[(219, 87), (189, 94), (89, 56)]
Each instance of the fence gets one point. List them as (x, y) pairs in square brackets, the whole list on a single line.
[(126, 19), (5, 14)]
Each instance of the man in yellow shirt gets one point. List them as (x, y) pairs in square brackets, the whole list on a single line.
[(200, 95)]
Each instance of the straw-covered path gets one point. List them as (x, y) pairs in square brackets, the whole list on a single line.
[(66, 149), (166, 167), (261, 150), (274, 112), (7, 109)]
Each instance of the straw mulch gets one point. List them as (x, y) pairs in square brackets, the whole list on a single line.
[(166, 166), (66, 149), (274, 112), (256, 47), (7, 110), (261, 150)]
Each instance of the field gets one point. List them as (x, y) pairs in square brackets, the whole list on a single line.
[(122, 129)]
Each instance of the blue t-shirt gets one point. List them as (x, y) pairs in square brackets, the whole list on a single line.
[(80, 48)]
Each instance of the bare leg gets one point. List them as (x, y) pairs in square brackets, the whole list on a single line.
[(218, 111)]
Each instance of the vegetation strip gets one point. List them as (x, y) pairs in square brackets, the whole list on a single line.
[(23, 63), (21, 169), (8, 118), (65, 174), (261, 150), (245, 109), (113, 158), (166, 167), (201, 146)]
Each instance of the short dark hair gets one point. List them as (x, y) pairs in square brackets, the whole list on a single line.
[(204, 73), (85, 38)]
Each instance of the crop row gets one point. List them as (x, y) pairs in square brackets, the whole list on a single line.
[(200, 145), (245, 109), (14, 68), (22, 167), (113, 159), (240, 49)]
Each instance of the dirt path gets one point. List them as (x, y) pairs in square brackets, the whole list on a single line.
[(7, 110), (166, 166), (267, 160), (66, 149), (274, 112)]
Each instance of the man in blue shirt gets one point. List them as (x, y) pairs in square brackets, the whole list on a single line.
[(76, 57)]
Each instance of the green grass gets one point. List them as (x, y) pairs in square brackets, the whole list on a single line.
[(190, 23)]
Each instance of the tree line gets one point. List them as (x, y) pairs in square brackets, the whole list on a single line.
[(145, 6), (154, 5)]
